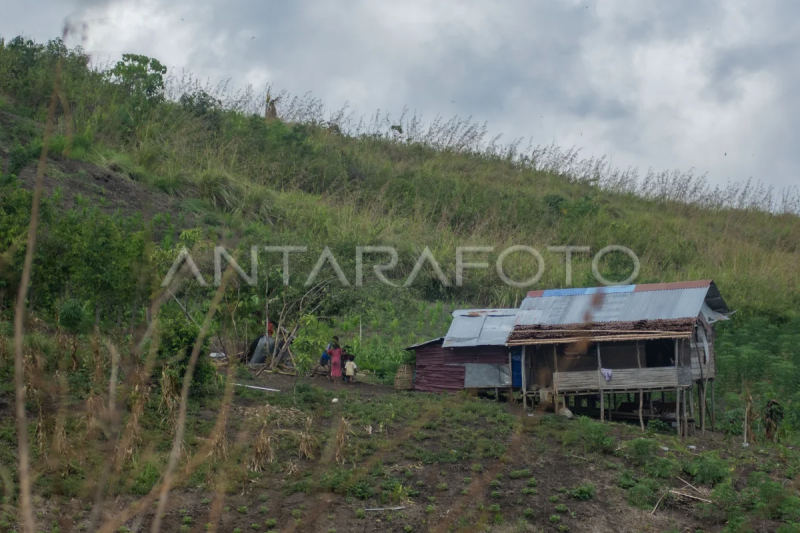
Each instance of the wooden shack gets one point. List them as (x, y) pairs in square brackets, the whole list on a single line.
[(607, 350), (473, 354)]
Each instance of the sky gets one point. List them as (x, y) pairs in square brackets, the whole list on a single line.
[(710, 86)]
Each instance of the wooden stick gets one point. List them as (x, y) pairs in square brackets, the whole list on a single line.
[(658, 503), (690, 496), (695, 488)]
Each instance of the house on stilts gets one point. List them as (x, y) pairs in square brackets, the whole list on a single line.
[(634, 351)]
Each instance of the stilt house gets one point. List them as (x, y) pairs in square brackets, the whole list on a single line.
[(601, 350)]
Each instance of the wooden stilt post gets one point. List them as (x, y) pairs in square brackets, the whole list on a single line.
[(600, 381), (704, 407), (685, 418), (713, 409), (691, 406), (650, 401), (555, 371), (641, 400), (678, 409), (524, 380)]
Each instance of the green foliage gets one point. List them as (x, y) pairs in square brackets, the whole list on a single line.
[(708, 469), (583, 492), (72, 316), (362, 490), (641, 451), (644, 494), (145, 479), (516, 474)]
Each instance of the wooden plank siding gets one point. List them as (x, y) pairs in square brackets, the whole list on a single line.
[(623, 379)]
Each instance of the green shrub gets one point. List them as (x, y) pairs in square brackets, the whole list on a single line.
[(146, 479), (583, 492), (516, 474), (641, 451), (360, 513), (708, 469), (644, 494), (661, 467), (361, 490)]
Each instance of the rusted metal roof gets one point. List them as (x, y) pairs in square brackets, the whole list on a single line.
[(480, 327), (425, 343)]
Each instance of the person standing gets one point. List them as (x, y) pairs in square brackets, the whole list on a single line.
[(350, 370), (335, 351)]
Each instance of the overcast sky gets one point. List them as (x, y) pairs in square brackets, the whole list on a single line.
[(650, 83)]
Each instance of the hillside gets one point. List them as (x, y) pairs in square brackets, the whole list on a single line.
[(140, 165)]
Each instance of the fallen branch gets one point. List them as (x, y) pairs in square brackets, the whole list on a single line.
[(690, 496), (386, 509), (689, 484), (658, 503)]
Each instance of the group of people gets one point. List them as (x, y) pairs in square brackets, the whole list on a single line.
[(337, 363)]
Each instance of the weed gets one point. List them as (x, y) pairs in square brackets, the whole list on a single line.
[(477, 467), (516, 474), (270, 523), (554, 498), (583, 492), (441, 486), (242, 509), (528, 491), (532, 482), (554, 518), (429, 509), (561, 508), (360, 513), (496, 494)]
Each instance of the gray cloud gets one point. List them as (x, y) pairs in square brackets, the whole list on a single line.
[(649, 83)]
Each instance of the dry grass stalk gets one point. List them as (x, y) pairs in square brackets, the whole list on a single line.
[(291, 468), (219, 448), (342, 440), (94, 413), (307, 442), (263, 453), (131, 438), (170, 395)]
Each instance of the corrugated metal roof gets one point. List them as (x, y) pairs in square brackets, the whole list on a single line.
[(623, 303), (661, 301), (480, 327), (425, 343)]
